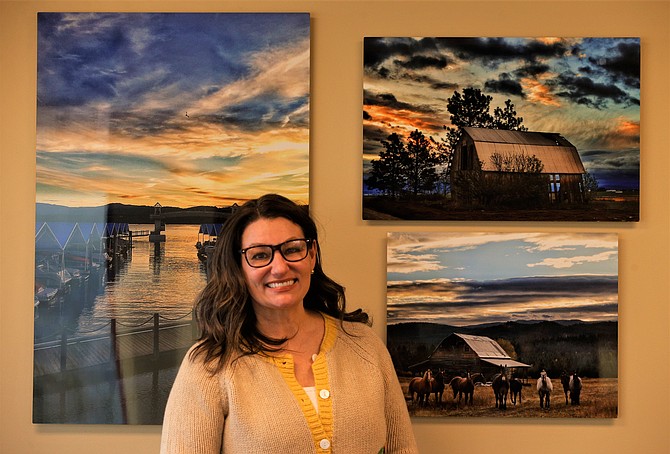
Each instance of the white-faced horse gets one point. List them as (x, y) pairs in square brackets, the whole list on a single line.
[(575, 388), (544, 389)]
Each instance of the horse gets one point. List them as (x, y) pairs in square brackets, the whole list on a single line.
[(515, 387), (420, 386), (565, 381), (437, 386), (478, 378), (500, 386), (463, 386), (544, 389), (575, 388)]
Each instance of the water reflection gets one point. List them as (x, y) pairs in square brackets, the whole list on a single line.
[(160, 278)]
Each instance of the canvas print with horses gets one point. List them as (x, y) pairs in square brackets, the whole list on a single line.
[(504, 324), (151, 129), (503, 129)]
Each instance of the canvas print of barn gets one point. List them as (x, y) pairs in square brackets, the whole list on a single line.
[(505, 324), (151, 129), (541, 129)]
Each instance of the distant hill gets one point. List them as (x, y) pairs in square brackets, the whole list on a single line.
[(132, 214), (590, 347)]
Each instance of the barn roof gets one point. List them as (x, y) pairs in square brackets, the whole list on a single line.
[(556, 153), (489, 350), (485, 347)]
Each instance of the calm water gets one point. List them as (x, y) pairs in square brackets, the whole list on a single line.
[(152, 279)]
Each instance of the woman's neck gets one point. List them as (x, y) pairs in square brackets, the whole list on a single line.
[(281, 324), (303, 330)]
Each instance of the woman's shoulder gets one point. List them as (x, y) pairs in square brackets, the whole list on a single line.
[(358, 334), (194, 362)]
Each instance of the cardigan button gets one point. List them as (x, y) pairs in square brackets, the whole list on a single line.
[(324, 444), (324, 393)]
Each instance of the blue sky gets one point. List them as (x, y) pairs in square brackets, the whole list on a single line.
[(182, 109), (469, 278), (587, 89)]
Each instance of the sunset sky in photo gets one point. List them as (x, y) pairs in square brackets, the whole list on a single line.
[(586, 89), (177, 109), (465, 279)]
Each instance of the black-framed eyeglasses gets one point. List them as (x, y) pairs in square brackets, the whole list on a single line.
[(263, 254)]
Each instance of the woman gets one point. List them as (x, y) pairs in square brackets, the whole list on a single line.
[(280, 366)]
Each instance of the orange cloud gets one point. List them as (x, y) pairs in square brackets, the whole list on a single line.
[(402, 118), (539, 93), (628, 127)]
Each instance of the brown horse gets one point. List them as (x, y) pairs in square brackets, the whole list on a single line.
[(515, 387), (500, 388), (422, 388), (478, 378), (463, 386), (437, 386), (565, 381)]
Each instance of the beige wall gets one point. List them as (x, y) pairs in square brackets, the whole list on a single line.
[(338, 28)]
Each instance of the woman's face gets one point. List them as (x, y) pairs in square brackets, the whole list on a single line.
[(281, 285)]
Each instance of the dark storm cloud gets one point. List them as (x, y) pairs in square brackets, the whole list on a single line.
[(389, 100), (378, 50), (585, 91), (423, 62), (429, 81), (445, 86), (383, 99), (623, 65), (505, 85), (372, 137), (431, 52), (492, 51), (531, 70), (402, 57), (375, 134)]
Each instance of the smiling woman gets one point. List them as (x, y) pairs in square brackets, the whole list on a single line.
[(270, 319)]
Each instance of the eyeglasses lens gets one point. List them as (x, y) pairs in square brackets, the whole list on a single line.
[(291, 251)]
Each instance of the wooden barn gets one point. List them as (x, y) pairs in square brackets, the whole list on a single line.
[(562, 167), (458, 353)]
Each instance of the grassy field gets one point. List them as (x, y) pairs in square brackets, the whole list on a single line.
[(601, 209), (599, 399)]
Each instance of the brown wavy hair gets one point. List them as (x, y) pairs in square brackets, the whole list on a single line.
[(223, 309)]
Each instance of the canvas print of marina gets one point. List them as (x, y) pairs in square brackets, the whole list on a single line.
[(504, 129), (503, 325), (151, 129)]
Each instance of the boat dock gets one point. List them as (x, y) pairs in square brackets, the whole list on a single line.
[(118, 375), (112, 344)]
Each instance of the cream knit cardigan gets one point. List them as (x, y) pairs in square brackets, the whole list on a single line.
[(256, 405)]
